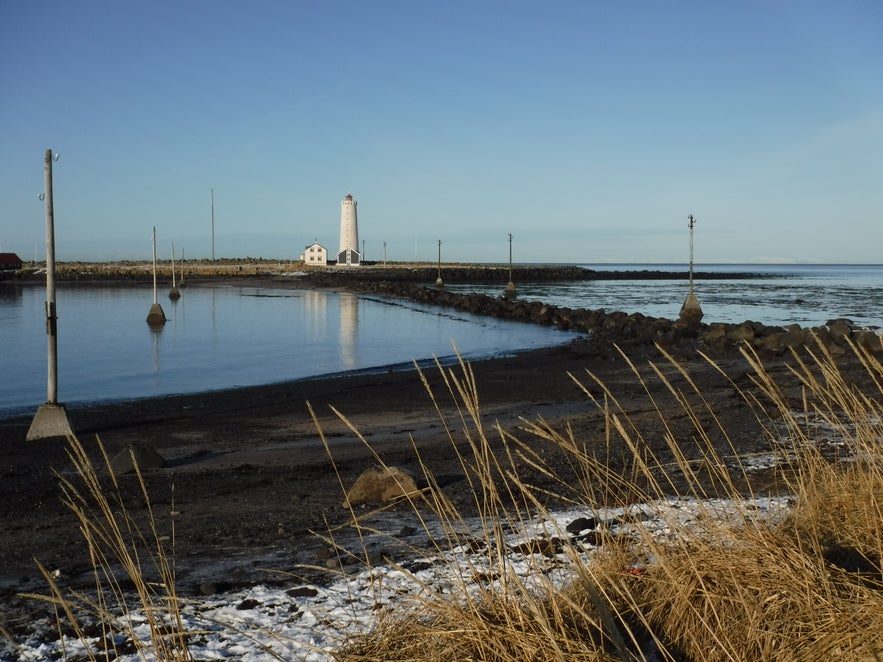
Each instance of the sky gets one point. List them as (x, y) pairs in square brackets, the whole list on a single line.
[(588, 130)]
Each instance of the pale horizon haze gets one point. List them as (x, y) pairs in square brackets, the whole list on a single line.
[(587, 130)]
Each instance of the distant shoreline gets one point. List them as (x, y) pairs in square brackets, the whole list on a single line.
[(454, 273)]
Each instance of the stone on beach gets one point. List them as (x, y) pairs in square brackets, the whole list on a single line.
[(379, 484)]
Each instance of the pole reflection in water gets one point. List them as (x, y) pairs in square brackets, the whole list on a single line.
[(156, 332), (349, 325)]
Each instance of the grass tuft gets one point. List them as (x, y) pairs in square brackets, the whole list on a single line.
[(691, 569)]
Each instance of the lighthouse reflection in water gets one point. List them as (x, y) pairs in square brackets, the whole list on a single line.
[(220, 337)]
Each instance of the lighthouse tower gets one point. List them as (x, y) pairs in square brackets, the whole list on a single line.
[(349, 233)]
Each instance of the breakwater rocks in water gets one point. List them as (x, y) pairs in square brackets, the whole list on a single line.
[(634, 328)]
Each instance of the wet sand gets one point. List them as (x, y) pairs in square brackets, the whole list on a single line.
[(249, 476)]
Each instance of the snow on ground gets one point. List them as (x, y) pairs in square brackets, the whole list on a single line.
[(306, 622)]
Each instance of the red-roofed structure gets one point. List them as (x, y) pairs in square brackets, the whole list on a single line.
[(10, 262)]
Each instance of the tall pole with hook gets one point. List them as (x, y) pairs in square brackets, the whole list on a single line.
[(438, 281), (692, 223), (156, 317), (509, 292), (51, 418), (213, 225), (691, 311), (174, 293)]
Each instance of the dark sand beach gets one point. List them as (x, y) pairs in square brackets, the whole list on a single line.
[(250, 477)]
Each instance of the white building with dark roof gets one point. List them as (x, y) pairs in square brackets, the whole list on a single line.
[(315, 255)]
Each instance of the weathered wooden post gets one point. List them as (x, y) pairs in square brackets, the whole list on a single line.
[(51, 418)]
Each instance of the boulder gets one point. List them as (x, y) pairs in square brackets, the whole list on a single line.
[(379, 484)]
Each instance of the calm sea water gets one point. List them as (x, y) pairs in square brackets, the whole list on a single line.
[(808, 295), (221, 336)]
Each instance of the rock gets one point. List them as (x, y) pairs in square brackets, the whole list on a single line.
[(581, 524), (840, 329), (740, 332), (302, 592), (871, 340), (379, 484), (146, 457)]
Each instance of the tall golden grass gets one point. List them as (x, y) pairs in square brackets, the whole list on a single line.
[(728, 585), (132, 566)]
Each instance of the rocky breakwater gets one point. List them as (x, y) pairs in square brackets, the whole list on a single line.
[(635, 329)]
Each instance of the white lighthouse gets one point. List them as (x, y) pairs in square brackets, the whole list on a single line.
[(349, 233)]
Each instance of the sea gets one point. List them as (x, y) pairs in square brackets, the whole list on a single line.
[(222, 336)]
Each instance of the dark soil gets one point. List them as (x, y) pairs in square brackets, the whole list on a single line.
[(249, 476)]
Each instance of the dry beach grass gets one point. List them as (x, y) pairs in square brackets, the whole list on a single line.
[(725, 583), (734, 587)]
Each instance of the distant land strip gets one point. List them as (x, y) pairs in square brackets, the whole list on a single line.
[(332, 276)]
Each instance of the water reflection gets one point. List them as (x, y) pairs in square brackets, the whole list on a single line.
[(156, 334), (10, 291), (349, 324), (223, 337)]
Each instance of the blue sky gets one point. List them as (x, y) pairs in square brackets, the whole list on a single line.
[(588, 130)]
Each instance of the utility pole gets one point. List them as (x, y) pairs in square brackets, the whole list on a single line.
[(438, 281), (213, 225), (51, 418), (384, 253), (509, 292), (692, 223), (691, 311), (156, 317)]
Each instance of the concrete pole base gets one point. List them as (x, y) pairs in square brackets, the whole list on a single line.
[(691, 311), (509, 292), (49, 421), (174, 294), (439, 283), (156, 316)]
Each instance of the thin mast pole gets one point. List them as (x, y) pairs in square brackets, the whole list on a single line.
[(51, 317), (154, 265), (692, 222), (213, 225)]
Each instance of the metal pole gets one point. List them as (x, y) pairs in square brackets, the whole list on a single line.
[(509, 292), (510, 257), (213, 225), (438, 281), (692, 222), (51, 418), (154, 265), (51, 317)]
